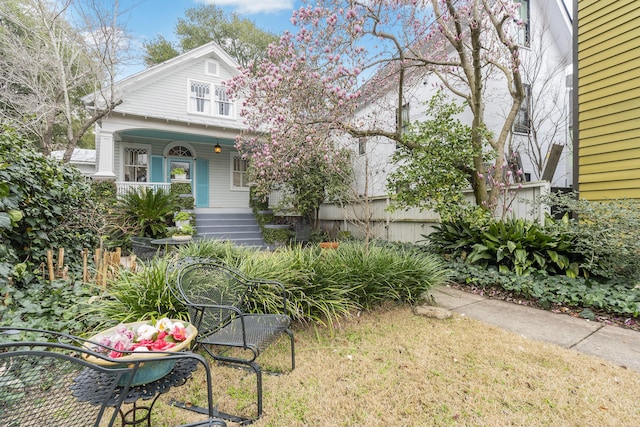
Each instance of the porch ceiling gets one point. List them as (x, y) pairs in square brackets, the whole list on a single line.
[(157, 134)]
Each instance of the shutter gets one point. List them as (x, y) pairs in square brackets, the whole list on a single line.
[(157, 169)]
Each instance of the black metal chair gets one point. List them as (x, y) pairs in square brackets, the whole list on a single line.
[(219, 301), (45, 381)]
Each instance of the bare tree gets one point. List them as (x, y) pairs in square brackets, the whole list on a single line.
[(547, 101), (54, 53)]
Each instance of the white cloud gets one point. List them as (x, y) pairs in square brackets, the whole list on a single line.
[(253, 6)]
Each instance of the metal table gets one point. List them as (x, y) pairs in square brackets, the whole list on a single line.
[(169, 241), (88, 386)]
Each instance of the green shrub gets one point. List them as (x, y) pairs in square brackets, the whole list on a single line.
[(605, 234), (322, 286), (53, 199), (58, 306), (140, 295), (146, 213), (514, 245)]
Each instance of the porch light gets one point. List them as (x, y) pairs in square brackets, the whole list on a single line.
[(217, 148)]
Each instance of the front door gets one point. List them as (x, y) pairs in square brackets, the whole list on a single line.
[(180, 162)]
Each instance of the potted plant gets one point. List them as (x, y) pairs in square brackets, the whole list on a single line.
[(183, 233), (182, 219), (179, 173)]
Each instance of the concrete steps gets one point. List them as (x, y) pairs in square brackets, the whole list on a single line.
[(239, 227)]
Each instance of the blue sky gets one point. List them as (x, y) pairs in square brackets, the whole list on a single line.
[(149, 18), (146, 19)]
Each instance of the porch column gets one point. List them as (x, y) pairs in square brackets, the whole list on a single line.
[(105, 151)]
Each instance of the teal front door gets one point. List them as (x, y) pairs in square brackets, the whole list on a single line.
[(202, 183)]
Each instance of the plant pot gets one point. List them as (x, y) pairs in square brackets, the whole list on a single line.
[(329, 245), (180, 177), (181, 238), (148, 371)]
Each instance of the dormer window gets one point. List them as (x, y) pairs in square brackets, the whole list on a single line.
[(201, 102)]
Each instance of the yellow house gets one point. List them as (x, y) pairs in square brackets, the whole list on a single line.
[(607, 70)]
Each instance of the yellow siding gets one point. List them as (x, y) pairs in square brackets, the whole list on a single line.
[(594, 165), (609, 99), (605, 156)]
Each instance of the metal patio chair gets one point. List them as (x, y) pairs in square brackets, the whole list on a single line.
[(219, 301), (45, 381)]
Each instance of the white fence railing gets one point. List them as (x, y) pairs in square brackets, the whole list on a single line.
[(123, 187), (410, 225)]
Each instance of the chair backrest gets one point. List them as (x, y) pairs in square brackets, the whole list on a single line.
[(206, 288), (48, 384)]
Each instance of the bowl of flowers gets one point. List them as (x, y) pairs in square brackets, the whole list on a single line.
[(142, 340)]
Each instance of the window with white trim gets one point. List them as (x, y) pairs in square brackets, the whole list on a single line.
[(136, 164), (200, 97), (524, 33), (239, 171), (521, 123), (222, 103)]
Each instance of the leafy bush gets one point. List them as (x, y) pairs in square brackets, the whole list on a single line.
[(146, 213), (140, 295), (52, 198), (58, 306), (514, 245), (605, 234)]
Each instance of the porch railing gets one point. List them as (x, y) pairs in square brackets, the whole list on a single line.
[(123, 187)]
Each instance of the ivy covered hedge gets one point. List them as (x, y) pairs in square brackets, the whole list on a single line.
[(52, 200)]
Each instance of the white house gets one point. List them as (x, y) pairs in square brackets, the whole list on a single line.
[(177, 114), (542, 124)]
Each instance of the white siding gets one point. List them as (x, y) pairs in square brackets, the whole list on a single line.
[(168, 95)]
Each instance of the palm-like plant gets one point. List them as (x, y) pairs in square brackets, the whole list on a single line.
[(148, 212)]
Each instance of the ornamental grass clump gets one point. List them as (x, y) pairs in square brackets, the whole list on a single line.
[(322, 286), (374, 273), (140, 295)]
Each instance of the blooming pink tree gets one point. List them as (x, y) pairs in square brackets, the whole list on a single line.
[(350, 55)]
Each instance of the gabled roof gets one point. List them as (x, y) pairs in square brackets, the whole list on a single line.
[(150, 74), (169, 65)]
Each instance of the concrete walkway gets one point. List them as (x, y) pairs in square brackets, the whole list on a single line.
[(612, 343)]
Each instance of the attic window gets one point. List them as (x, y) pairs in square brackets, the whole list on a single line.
[(211, 68)]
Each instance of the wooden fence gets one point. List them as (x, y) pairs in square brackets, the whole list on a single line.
[(410, 225)]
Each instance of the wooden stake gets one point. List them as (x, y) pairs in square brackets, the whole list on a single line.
[(50, 265), (60, 268), (97, 257), (105, 264), (85, 265)]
